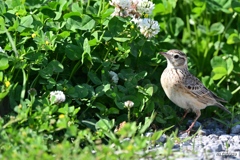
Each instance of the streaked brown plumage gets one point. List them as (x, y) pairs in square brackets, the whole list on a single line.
[(184, 89)]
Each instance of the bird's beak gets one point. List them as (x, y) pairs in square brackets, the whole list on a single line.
[(163, 53)]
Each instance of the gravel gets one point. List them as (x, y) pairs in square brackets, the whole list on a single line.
[(212, 142)]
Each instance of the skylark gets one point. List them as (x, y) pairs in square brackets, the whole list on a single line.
[(184, 89)]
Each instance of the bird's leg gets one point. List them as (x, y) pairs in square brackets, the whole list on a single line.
[(198, 113), (186, 112)]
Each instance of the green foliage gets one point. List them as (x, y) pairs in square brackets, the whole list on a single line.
[(72, 46)]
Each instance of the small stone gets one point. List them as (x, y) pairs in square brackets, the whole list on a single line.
[(205, 140), (235, 120), (176, 146), (183, 135), (219, 132), (203, 132), (187, 143), (213, 137), (208, 149), (236, 138), (217, 147), (234, 148), (162, 139), (148, 134), (210, 124), (235, 129), (196, 125), (224, 137)]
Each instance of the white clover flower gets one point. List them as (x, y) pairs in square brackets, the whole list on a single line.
[(114, 76), (135, 20), (148, 27), (143, 6), (122, 7), (128, 104), (57, 97)]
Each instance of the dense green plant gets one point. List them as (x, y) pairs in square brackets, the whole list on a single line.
[(100, 62)]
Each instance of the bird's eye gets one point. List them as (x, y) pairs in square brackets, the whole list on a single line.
[(176, 56)]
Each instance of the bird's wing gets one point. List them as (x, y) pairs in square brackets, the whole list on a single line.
[(197, 89)]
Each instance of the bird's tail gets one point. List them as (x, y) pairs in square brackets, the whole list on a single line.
[(223, 107)]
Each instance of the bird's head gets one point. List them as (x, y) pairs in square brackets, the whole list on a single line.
[(175, 58)]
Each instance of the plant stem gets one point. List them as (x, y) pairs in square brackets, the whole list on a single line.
[(129, 113), (75, 68), (24, 84), (236, 90), (12, 43)]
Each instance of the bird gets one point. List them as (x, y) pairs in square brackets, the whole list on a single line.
[(184, 89)]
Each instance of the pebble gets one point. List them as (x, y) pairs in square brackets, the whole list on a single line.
[(213, 142), (236, 129), (196, 125), (162, 139)]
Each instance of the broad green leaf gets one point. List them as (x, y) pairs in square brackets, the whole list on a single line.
[(203, 29), (1, 76), (63, 35), (86, 47), (216, 29), (218, 62), (198, 10), (25, 22), (13, 4), (162, 9), (46, 72), (76, 8), (73, 23), (233, 38), (56, 66), (149, 107), (2, 7), (87, 50), (91, 10), (64, 110), (218, 73), (229, 65), (149, 90), (94, 78), (225, 94), (3, 94), (236, 6), (175, 25), (87, 23), (71, 109), (120, 39), (100, 106), (72, 14), (2, 25), (158, 134), (104, 124), (73, 52), (76, 111), (72, 131), (141, 75), (160, 120), (100, 90), (71, 91), (113, 110), (115, 27), (4, 63), (82, 91), (207, 81)]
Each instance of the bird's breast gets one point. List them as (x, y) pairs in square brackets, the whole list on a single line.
[(172, 83)]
